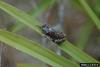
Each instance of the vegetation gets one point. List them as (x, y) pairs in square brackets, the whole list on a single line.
[(35, 49)]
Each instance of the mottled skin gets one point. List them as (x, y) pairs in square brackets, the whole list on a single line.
[(55, 36)]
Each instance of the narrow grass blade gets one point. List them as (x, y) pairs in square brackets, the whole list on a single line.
[(21, 16), (90, 12), (45, 4), (34, 49), (30, 65), (34, 12), (76, 53)]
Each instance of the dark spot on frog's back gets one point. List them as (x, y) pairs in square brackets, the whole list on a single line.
[(55, 36)]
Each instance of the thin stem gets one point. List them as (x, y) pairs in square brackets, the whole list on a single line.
[(90, 13)]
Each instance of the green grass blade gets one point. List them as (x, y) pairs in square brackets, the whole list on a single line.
[(34, 12), (89, 11), (34, 49), (21, 16), (41, 7), (29, 21), (76, 53), (18, 26), (30, 65)]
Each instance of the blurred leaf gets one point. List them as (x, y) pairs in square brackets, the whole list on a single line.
[(75, 3), (34, 12), (34, 49), (30, 65), (45, 4), (90, 12), (21, 16), (96, 7), (76, 53)]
